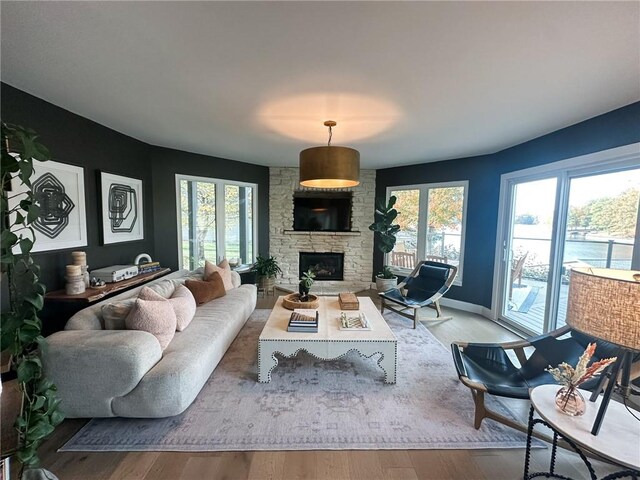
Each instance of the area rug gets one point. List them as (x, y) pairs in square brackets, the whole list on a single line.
[(316, 405)]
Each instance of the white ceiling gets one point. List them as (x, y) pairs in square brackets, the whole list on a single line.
[(407, 82)]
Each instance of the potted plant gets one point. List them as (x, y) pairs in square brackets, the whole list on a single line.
[(306, 281), (266, 269), (21, 329), (387, 231)]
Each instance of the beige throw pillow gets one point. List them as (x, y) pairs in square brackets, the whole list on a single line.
[(223, 269), (184, 305), (114, 314), (154, 314)]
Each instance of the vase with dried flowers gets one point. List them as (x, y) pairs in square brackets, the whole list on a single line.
[(568, 399)]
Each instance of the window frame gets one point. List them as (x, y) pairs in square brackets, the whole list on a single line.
[(220, 184), (421, 247)]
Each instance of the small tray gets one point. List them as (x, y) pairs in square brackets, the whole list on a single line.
[(292, 302), (354, 328)]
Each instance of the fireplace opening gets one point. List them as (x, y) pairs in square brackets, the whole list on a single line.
[(326, 266)]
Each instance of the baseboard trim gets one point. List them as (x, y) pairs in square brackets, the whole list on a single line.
[(464, 306)]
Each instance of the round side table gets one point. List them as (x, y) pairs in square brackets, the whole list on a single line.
[(617, 442)]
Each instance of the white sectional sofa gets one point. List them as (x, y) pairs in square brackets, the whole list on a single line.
[(124, 373)]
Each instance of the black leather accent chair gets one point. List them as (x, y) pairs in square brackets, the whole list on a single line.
[(424, 286), (487, 367)]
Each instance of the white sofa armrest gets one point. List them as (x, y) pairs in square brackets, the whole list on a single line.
[(92, 367)]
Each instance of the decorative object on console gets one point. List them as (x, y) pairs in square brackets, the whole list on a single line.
[(329, 167), (80, 258), (143, 256), (115, 273), (387, 231), (305, 284), (568, 399), (122, 208), (58, 189), (75, 280), (604, 303)]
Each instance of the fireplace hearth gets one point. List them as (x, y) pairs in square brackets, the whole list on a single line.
[(326, 266)]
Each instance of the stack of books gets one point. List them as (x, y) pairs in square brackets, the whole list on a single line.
[(303, 321), (148, 267)]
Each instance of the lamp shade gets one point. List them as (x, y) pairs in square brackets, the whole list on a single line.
[(329, 167), (605, 303)]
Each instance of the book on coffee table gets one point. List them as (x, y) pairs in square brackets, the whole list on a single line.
[(302, 320)]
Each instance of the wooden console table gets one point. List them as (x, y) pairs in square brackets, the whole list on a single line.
[(92, 295)]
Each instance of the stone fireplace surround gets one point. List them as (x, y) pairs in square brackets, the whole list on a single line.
[(286, 244)]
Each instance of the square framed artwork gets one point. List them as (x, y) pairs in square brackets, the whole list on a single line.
[(58, 189), (121, 208)]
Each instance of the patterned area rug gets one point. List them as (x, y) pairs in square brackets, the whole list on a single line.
[(316, 405)]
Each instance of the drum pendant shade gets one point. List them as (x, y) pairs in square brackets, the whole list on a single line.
[(329, 167)]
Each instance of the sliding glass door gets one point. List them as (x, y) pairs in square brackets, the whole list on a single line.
[(553, 222), (528, 252)]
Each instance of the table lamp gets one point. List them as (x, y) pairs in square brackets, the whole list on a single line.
[(605, 303)]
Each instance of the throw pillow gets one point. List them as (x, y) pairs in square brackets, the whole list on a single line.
[(184, 305), (225, 273), (115, 314), (154, 314), (205, 291)]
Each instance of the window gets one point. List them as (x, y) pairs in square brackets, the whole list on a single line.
[(432, 219), (217, 219)]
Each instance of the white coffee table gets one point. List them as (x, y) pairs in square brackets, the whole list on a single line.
[(330, 342)]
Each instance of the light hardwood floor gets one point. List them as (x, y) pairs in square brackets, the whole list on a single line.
[(326, 465)]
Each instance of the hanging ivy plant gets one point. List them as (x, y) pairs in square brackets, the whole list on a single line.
[(20, 327)]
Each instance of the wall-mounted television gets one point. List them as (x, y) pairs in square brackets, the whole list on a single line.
[(322, 211)]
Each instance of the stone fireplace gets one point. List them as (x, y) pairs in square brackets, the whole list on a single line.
[(326, 266), (287, 244)]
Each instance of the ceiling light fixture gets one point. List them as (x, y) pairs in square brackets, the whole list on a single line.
[(329, 167)]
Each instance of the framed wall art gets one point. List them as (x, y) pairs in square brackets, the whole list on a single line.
[(121, 207), (58, 189)]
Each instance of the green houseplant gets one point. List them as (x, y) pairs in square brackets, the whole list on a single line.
[(20, 327), (266, 269), (387, 231), (304, 286)]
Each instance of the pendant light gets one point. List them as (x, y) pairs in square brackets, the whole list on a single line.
[(329, 167)]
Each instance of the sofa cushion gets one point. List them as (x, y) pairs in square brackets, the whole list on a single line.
[(164, 288), (154, 314), (184, 305), (115, 314), (204, 292), (225, 273)]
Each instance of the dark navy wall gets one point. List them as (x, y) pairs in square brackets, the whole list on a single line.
[(613, 129), (75, 140), (167, 163), (78, 141)]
